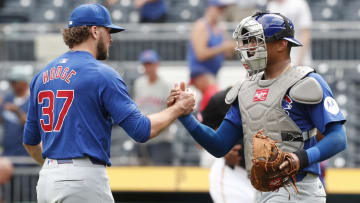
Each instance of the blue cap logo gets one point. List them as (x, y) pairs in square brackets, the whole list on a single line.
[(149, 56), (92, 14), (220, 2)]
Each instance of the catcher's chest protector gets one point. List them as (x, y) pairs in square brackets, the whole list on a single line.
[(260, 103)]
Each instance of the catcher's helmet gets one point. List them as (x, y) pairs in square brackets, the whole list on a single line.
[(253, 32), (276, 27)]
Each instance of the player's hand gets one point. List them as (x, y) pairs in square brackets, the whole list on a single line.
[(232, 158), (174, 93), (186, 100), (292, 163)]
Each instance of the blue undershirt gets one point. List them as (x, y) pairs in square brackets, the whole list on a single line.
[(219, 142)]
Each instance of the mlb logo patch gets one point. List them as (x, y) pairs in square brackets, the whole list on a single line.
[(260, 95), (64, 60)]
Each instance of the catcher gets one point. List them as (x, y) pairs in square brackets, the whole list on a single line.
[(277, 111)]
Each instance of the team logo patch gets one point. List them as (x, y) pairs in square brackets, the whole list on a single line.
[(331, 106), (287, 103), (64, 60), (260, 95)]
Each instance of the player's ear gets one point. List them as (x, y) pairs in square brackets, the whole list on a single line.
[(282, 45), (94, 31)]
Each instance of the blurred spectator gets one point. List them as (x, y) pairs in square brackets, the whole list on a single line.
[(13, 110), (6, 171), (152, 11), (229, 182), (207, 50), (150, 93), (240, 10), (299, 13), (110, 3)]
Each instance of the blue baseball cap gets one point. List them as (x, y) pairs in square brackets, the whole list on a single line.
[(277, 26), (92, 14), (149, 56), (220, 3)]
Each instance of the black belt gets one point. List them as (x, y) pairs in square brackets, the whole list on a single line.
[(70, 161)]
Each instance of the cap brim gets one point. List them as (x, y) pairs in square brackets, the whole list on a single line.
[(149, 61), (293, 41), (115, 28), (221, 4)]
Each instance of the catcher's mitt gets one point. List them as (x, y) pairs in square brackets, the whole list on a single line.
[(267, 157)]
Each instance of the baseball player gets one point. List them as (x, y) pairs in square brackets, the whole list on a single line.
[(74, 101), (289, 103)]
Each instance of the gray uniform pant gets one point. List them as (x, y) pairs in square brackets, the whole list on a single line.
[(310, 190), (76, 182)]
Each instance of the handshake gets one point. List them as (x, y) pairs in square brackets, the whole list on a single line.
[(182, 99)]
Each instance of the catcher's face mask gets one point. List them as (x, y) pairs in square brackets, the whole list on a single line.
[(250, 44), (252, 33)]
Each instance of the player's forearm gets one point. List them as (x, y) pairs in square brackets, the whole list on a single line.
[(218, 143), (333, 143), (161, 120), (35, 151), (209, 52), (140, 3)]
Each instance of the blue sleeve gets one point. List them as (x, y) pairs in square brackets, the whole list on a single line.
[(218, 143), (137, 126), (115, 96), (32, 134), (327, 111), (233, 115), (333, 143)]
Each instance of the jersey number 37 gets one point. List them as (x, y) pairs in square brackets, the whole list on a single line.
[(49, 110)]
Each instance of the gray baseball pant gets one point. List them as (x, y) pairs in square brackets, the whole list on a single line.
[(74, 182), (310, 190)]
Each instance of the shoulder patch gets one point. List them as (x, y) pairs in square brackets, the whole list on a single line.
[(307, 91), (233, 93), (331, 106)]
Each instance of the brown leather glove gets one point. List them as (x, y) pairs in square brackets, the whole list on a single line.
[(272, 168)]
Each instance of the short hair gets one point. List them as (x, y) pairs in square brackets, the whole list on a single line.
[(75, 35)]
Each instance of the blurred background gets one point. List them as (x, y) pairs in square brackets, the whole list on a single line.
[(30, 37)]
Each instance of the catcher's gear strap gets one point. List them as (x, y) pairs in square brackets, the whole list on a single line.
[(293, 136), (307, 91), (233, 93)]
